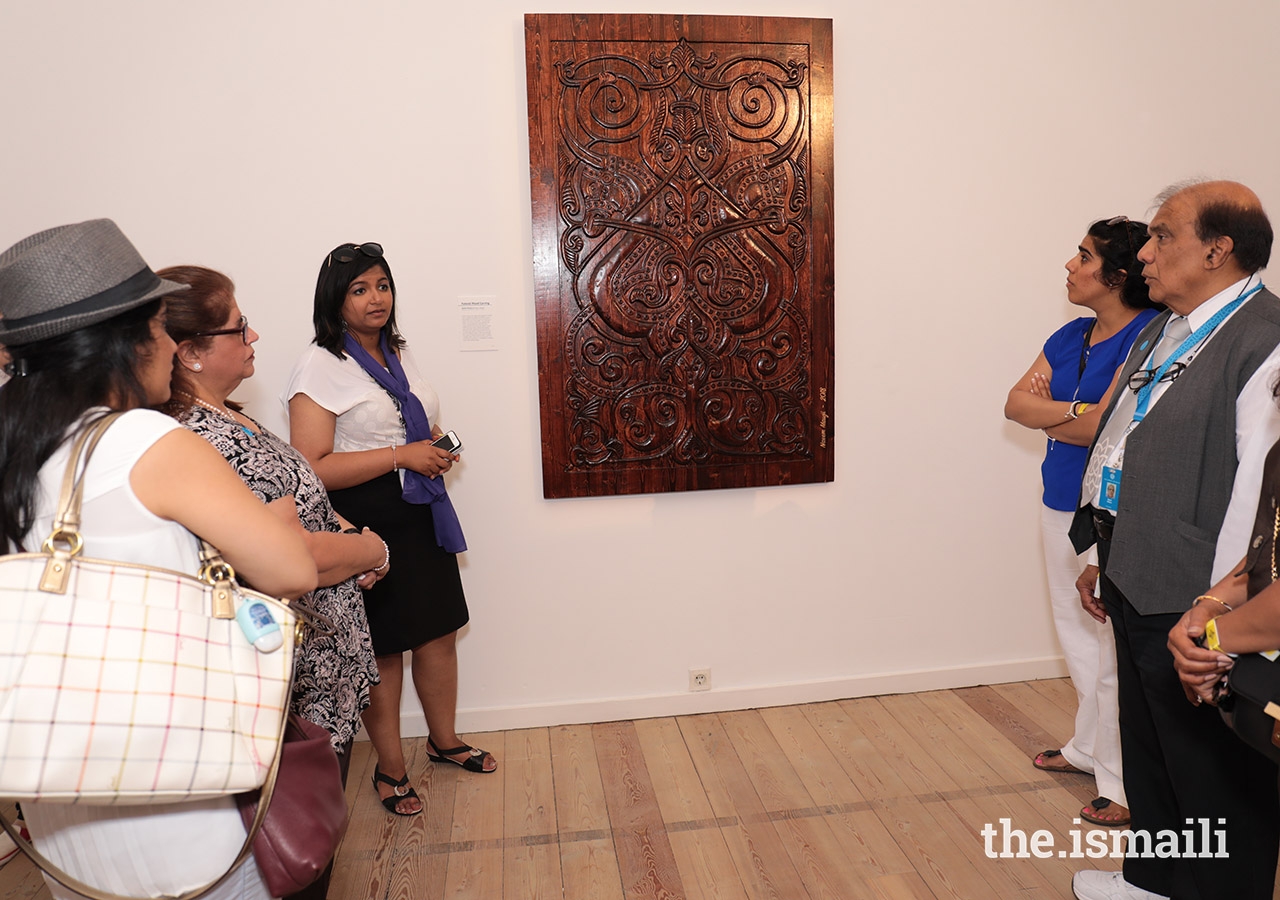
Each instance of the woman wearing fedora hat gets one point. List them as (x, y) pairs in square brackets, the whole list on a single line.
[(83, 320)]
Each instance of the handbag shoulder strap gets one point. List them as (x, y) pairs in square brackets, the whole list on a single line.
[(72, 494), (64, 541)]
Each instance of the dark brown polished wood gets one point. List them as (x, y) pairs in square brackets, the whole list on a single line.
[(681, 171)]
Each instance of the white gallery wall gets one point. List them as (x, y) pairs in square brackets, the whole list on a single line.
[(974, 142)]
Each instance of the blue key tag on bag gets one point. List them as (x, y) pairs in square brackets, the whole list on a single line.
[(1109, 495), (259, 626)]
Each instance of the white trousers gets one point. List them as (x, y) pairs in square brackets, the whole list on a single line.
[(1089, 648)]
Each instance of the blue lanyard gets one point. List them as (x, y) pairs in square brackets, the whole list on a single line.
[(1144, 393)]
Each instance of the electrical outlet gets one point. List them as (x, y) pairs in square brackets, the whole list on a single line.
[(699, 679)]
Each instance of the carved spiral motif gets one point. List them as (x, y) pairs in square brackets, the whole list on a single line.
[(683, 189)]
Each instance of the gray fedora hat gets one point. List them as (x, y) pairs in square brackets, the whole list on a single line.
[(71, 276)]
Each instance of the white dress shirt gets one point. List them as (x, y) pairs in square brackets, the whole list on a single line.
[(1257, 429)]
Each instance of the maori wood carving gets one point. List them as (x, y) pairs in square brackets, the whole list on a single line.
[(681, 188)]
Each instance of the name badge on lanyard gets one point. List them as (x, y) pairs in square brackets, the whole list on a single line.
[(1109, 491), (1109, 495)]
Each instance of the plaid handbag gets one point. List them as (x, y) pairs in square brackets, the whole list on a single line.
[(127, 684)]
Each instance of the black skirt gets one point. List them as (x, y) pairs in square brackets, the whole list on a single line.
[(421, 598)]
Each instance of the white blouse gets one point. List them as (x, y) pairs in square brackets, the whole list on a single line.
[(368, 417), (157, 848), (114, 523)]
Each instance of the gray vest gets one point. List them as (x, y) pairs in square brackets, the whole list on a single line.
[(1180, 465)]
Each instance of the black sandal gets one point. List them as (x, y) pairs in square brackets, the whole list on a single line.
[(474, 762), (1054, 754), (1096, 805), (402, 790)]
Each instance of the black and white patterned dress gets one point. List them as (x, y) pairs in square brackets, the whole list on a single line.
[(332, 675)]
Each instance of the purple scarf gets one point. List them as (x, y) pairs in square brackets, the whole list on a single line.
[(418, 488)]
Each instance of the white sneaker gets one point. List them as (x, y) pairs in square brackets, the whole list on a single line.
[(1090, 884)]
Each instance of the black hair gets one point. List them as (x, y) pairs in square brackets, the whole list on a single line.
[(65, 376), (1118, 243), (331, 292), (1247, 226)]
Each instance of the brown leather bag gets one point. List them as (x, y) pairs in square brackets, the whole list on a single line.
[(308, 811)]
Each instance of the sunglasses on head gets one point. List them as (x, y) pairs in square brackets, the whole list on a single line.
[(1128, 232), (348, 253)]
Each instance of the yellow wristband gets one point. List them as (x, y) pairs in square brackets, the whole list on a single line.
[(1211, 636)]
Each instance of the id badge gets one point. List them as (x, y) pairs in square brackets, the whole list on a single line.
[(1109, 495)]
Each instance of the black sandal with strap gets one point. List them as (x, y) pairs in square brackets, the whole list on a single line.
[(1096, 805), (402, 790), (1054, 754), (473, 763)]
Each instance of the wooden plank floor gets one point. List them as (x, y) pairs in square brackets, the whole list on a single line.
[(878, 798)]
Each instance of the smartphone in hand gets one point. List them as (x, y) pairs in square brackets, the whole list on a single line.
[(448, 442)]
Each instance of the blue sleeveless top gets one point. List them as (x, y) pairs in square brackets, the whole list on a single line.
[(1063, 465)]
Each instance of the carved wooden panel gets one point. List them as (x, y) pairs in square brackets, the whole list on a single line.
[(682, 228)]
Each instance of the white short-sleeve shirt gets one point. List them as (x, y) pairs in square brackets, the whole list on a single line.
[(368, 417), (114, 523)]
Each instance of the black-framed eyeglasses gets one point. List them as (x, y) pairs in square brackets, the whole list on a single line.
[(242, 329), (348, 252), (1143, 377)]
